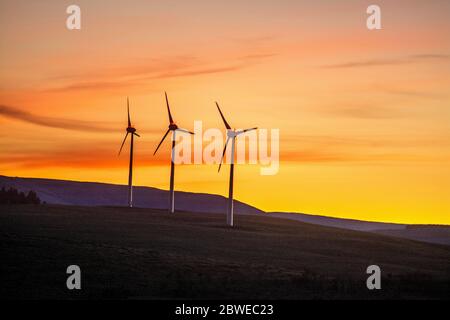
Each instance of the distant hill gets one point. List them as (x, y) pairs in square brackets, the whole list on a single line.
[(350, 224), (102, 194), (427, 233)]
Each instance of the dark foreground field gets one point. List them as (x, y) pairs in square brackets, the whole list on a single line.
[(148, 254)]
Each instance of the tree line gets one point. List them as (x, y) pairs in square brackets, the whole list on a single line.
[(14, 196)]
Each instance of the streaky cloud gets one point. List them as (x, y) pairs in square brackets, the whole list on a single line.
[(53, 122), (141, 80), (365, 63), (135, 76), (383, 62), (431, 56)]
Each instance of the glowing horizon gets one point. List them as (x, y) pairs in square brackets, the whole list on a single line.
[(363, 115)]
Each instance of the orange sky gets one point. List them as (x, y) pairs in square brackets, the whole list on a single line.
[(363, 115)]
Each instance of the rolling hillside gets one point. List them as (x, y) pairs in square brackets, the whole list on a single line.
[(101, 194), (427, 233), (148, 254)]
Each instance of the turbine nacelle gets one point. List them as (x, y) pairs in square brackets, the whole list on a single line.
[(232, 133), (173, 127), (131, 130)]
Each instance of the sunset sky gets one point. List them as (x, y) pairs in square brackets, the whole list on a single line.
[(364, 116)]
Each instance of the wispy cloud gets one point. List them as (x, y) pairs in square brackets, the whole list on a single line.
[(369, 112), (79, 155), (380, 141), (68, 124), (141, 80), (362, 157), (53, 122), (366, 63), (156, 69), (384, 62), (315, 156), (431, 56), (412, 93), (366, 149), (314, 149)]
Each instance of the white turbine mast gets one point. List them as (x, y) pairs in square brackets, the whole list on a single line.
[(231, 135)]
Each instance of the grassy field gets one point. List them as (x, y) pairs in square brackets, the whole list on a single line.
[(148, 254)]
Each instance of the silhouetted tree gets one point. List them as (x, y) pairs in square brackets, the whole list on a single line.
[(13, 196), (33, 198)]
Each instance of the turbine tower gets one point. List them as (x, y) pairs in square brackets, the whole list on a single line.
[(174, 128), (231, 135), (132, 131)]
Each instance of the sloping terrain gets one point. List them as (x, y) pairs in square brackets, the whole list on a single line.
[(425, 233), (350, 224), (102, 194), (142, 253), (439, 234)]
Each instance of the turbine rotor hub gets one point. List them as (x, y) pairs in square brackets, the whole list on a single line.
[(173, 126), (231, 133), (131, 130)]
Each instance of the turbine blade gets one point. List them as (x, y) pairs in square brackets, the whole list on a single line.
[(128, 109), (161, 141), (223, 154), (168, 108), (137, 134), (246, 130), (185, 131), (123, 143), (223, 118)]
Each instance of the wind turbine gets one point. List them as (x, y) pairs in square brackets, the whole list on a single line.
[(132, 131), (174, 128), (231, 135)]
